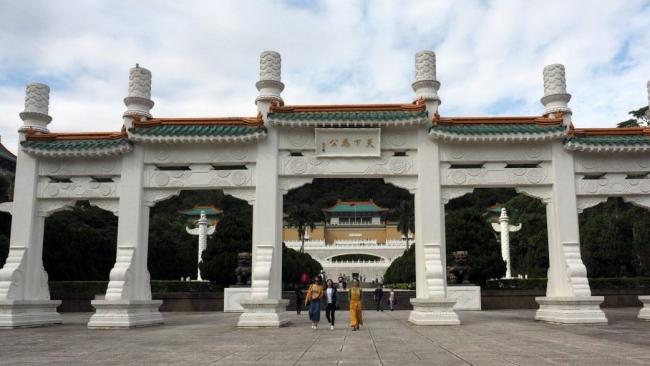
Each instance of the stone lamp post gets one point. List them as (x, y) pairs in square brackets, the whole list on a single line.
[(205, 225), (504, 227), (203, 229)]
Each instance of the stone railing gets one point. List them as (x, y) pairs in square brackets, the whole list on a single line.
[(295, 244), (358, 242), (347, 244), (398, 242)]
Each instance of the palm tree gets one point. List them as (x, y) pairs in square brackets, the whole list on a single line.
[(302, 216), (405, 219)]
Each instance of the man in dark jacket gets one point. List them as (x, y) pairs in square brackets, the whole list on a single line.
[(330, 296), (379, 294)]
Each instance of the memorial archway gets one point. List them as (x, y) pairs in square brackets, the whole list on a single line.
[(261, 157)]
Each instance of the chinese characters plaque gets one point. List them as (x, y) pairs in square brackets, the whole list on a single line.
[(352, 142)]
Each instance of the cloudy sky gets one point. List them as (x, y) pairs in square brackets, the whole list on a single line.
[(204, 55)]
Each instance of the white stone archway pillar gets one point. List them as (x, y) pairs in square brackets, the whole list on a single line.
[(128, 302), (266, 308), (568, 296), (24, 291), (431, 305)]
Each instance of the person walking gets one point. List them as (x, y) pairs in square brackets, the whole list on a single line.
[(330, 302), (379, 295), (391, 299), (356, 306), (299, 298), (313, 298)]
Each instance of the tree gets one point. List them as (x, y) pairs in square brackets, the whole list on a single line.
[(80, 243), (405, 218), (402, 270), (294, 263), (302, 216), (640, 119), (467, 230), (528, 246)]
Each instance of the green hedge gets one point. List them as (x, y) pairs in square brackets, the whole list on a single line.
[(401, 286), (595, 283), (540, 284), (88, 289)]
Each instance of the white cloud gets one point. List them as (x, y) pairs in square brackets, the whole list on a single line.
[(204, 55)]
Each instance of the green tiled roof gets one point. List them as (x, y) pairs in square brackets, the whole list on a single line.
[(355, 207), (90, 144), (494, 129), (612, 140), (196, 130), (352, 116)]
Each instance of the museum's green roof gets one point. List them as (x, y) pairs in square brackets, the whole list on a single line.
[(6, 154), (355, 206), (349, 113), (215, 127)]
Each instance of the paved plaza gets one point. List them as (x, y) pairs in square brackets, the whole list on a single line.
[(506, 337)]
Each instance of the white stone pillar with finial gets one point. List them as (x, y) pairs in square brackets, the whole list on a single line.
[(128, 301), (644, 313), (555, 99), (202, 230), (647, 113), (505, 229), (432, 305), (265, 307), (568, 295), (24, 292)]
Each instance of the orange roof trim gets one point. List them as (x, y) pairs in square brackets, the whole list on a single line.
[(222, 121), (34, 135), (418, 105), (627, 131), (506, 120)]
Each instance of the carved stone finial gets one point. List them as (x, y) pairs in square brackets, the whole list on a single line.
[(426, 86), (138, 102), (270, 66), (37, 103), (555, 99), (425, 65), (37, 98), (554, 79), (504, 213), (270, 85), (648, 112), (139, 82)]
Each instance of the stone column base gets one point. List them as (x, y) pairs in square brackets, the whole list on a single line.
[(122, 314), (263, 313), (436, 311), (28, 313), (571, 310), (644, 313)]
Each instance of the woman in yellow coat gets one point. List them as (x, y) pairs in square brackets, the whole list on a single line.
[(313, 298), (356, 307)]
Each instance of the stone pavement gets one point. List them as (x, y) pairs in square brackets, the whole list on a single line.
[(505, 337)]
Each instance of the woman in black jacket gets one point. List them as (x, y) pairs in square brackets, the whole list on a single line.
[(330, 302)]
